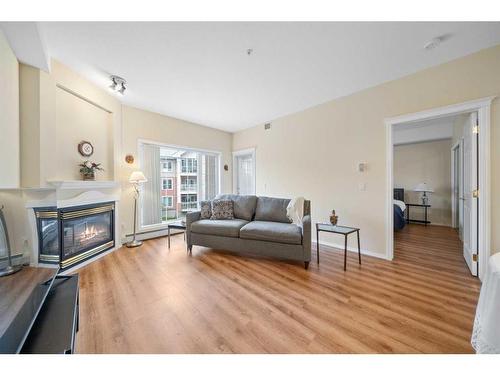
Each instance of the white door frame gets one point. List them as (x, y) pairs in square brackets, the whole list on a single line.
[(457, 145), (483, 107), (245, 151)]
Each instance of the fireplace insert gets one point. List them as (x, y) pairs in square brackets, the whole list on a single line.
[(69, 236)]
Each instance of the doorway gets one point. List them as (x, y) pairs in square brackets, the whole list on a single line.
[(244, 172), (476, 160)]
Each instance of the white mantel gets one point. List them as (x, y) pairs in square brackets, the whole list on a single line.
[(83, 185)]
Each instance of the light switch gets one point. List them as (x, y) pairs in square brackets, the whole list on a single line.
[(362, 186)]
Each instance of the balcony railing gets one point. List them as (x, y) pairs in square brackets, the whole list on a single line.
[(189, 187), (189, 170), (189, 206)]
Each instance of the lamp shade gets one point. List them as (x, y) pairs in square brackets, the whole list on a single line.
[(423, 187), (137, 177)]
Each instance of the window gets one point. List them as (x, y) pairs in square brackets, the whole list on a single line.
[(167, 183), (195, 174), (167, 166), (167, 201), (189, 165)]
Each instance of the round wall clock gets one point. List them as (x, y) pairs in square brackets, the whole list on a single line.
[(85, 148)]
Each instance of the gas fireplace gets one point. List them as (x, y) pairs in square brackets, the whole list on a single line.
[(71, 235)]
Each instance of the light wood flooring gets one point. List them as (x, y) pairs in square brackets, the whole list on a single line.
[(154, 300)]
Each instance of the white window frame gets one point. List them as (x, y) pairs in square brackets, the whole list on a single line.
[(217, 153)]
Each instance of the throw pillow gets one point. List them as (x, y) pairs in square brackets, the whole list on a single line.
[(222, 209), (206, 209)]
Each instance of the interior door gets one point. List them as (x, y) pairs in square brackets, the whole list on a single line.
[(470, 201), (245, 173)]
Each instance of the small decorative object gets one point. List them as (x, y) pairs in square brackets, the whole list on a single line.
[(226, 167), (136, 178), (85, 148), (423, 188), (334, 218), (88, 168), (129, 159)]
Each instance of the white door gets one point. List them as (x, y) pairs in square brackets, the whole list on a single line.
[(244, 172), (470, 202)]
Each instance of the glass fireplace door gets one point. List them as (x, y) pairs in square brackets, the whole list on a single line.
[(86, 231)]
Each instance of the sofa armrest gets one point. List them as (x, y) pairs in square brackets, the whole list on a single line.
[(306, 237), (191, 217)]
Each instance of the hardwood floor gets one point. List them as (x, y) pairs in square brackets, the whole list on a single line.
[(154, 300)]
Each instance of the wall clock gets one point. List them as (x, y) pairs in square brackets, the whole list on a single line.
[(85, 148)]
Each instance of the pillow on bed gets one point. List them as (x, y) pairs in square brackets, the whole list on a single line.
[(401, 204)]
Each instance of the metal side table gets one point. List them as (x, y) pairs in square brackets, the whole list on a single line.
[(338, 229)]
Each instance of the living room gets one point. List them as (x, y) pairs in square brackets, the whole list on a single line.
[(227, 187)]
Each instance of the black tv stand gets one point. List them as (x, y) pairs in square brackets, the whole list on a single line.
[(42, 317)]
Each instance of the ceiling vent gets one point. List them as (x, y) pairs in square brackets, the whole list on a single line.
[(267, 126)]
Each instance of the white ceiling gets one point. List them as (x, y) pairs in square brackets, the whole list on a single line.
[(201, 72)]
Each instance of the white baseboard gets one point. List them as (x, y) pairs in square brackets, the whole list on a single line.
[(331, 246), (149, 235)]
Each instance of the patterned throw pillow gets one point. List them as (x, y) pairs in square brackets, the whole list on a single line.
[(206, 209), (222, 209)]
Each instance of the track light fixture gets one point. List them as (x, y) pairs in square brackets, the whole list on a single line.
[(118, 84)]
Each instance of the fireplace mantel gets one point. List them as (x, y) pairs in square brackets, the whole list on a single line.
[(83, 185), (87, 197)]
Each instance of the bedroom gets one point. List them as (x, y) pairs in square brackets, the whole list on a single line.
[(435, 174)]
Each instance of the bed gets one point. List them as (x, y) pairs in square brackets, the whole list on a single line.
[(399, 208)]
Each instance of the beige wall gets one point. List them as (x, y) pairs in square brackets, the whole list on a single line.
[(428, 162), (78, 120), (58, 110), (314, 152), (9, 116), (139, 124)]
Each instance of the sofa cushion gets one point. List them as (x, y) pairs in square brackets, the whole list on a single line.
[(222, 209), (224, 228), (243, 205), (272, 209), (205, 209), (272, 231)]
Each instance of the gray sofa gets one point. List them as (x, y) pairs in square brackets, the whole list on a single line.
[(260, 226)]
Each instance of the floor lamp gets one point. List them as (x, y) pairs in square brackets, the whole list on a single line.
[(136, 178)]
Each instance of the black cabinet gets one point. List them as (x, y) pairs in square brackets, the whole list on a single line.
[(38, 312), (54, 330)]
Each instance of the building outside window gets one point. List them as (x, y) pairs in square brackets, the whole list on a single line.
[(167, 166), (167, 183), (185, 177)]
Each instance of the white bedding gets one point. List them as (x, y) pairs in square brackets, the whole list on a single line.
[(401, 204)]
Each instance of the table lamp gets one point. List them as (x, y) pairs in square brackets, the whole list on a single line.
[(136, 178), (423, 188)]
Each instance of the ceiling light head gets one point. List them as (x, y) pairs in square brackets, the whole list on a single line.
[(249, 51), (433, 43), (118, 84)]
